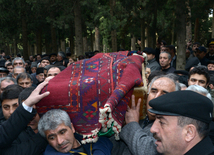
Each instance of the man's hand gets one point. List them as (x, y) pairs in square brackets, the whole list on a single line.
[(35, 96), (132, 114)]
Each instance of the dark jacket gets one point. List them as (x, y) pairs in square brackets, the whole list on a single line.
[(17, 138), (102, 147), (153, 65), (136, 139), (169, 70), (204, 147)]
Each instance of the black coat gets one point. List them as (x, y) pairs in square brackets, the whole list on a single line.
[(18, 139), (204, 147)]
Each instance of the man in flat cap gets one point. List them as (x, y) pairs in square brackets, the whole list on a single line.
[(152, 63), (201, 55), (182, 123), (210, 45)]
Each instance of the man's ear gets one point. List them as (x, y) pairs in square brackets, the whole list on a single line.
[(190, 132), (211, 86), (72, 128)]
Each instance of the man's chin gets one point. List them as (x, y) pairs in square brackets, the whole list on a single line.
[(65, 148)]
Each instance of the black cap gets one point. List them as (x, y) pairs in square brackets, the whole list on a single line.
[(202, 48), (149, 50), (52, 54), (39, 70), (192, 63), (210, 62), (183, 72), (183, 103), (3, 69), (197, 43)]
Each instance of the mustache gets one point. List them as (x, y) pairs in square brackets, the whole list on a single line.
[(156, 137), (62, 144)]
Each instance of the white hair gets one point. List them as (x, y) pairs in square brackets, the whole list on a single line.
[(200, 90)]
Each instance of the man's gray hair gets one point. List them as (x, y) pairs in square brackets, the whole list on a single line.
[(18, 58), (52, 119), (170, 76), (8, 79), (200, 90), (169, 55), (18, 67), (182, 85), (202, 127), (62, 54)]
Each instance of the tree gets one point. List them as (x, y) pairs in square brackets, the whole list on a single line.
[(181, 34)]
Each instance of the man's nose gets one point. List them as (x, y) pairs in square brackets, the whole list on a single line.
[(154, 128), (60, 140)]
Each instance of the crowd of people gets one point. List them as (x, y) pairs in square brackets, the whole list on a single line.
[(179, 107)]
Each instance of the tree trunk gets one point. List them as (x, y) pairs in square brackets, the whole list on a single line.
[(213, 22), (24, 37), (142, 34), (133, 41), (62, 42), (114, 40), (53, 38), (15, 46), (196, 30), (188, 23), (181, 34), (113, 32), (78, 29), (152, 28), (39, 41), (173, 30), (71, 38), (146, 34), (85, 44), (97, 39)]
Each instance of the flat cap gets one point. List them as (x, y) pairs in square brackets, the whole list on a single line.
[(202, 49), (183, 72), (39, 70), (191, 63), (183, 103), (3, 69), (149, 50)]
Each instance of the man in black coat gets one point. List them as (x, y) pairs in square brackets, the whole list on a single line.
[(182, 124), (16, 137)]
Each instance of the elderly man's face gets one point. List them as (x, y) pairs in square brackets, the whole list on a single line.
[(62, 138), (17, 71), (160, 87), (164, 60), (18, 63), (169, 135), (53, 71), (40, 77), (4, 84), (25, 83)]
